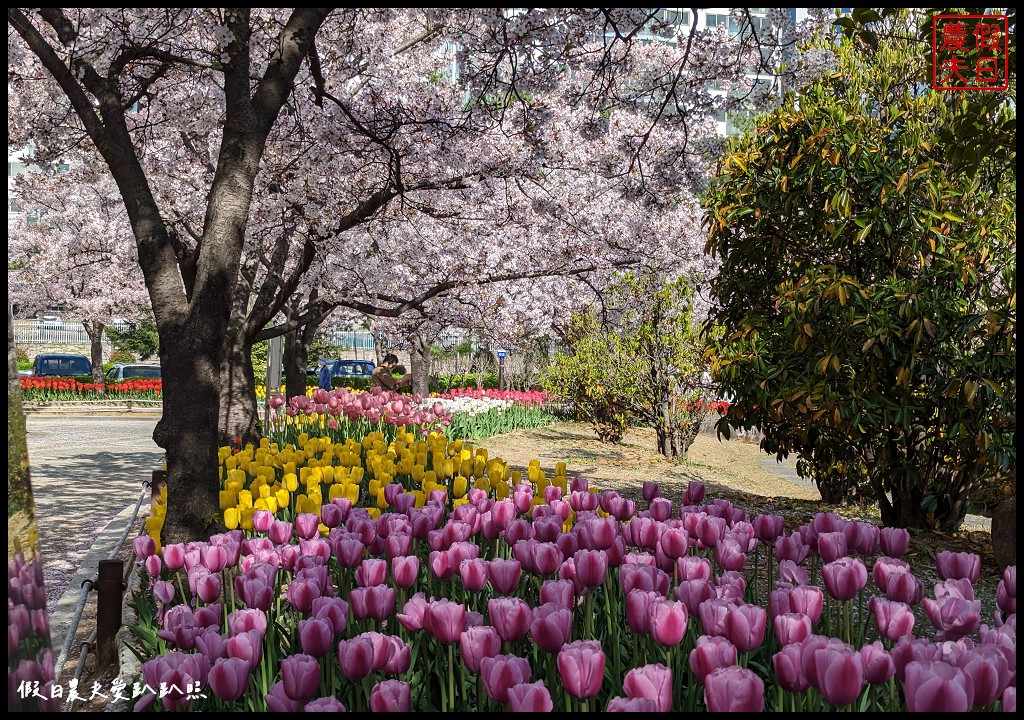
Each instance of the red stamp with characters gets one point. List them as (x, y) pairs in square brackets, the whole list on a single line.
[(969, 52)]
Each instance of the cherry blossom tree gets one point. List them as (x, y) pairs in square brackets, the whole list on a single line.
[(248, 144), (75, 250)]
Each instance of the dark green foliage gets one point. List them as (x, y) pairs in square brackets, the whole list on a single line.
[(139, 340)]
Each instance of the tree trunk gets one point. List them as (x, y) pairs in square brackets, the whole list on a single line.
[(188, 432), (419, 359), (239, 416), (94, 329), (908, 509)]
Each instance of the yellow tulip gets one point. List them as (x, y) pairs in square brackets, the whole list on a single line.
[(337, 490), (515, 477), (244, 498), (373, 512), (283, 498), (352, 492), (231, 518), (459, 484), (261, 504), (482, 484), (291, 482), (271, 504), (560, 469), (245, 518), (460, 501), (421, 498), (264, 491)]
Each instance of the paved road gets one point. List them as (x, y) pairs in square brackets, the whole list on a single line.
[(85, 470)]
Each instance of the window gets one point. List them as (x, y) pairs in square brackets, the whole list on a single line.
[(717, 20), (674, 17)]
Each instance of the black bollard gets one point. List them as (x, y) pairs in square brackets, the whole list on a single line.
[(109, 598)]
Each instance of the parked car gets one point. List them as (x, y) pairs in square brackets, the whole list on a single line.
[(50, 322), (345, 368), (127, 371), (61, 364)]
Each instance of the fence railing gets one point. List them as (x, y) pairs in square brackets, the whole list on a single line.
[(35, 332)]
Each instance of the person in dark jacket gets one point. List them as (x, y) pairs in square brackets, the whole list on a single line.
[(325, 374)]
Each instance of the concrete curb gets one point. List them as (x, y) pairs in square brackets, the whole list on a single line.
[(153, 411), (64, 610)]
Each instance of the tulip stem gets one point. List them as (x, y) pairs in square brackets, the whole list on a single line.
[(451, 677)]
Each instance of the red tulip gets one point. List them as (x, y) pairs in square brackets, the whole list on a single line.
[(710, 654), (937, 687), (733, 689), (581, 667), (653, 682)]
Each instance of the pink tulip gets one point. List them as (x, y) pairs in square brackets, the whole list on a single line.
[(693, 593), (844, 578), (953, 616), (241, 621), (444, 620), (374, 603), (745, 626), (300, 675), (729, 554), (667, 622), (789, 672), (709, 530), (953, 565), (560, 592), (638, 705), (355, 657), (711, 653), (839, 673), (550, 627), (809, 650), (894, 541), (502, 672), (651, 490), (790, 572), (733, 689), (694, 493), (372, 571), (208, 587), (643, 577), (907, 650), (174, 556), (504, 575), (832, 546), (791, 628), (229, 678), (693, 568), (581, 668), (937, 687), (405, 570), (877, 662), (277, 700), (530, 697), (638, 610), (144, 546), (348, 550), (713, 614), (391, 696), (768, 528), (961, 588), (440, 565), (316, 637), (653, 682), (904, 587), (332, 610), (262, 520), (473, 574), (247, 646), (1009, 701), (307, 525), (546, 558), (476, 644), (792, 547), (591, 567), (893, 619), (510, 617)]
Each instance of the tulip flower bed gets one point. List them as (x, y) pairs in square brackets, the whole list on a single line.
[(478, 414), (418, 575), (66, 389)]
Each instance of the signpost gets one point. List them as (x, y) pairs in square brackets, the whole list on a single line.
[(502, 353), (273, 375)]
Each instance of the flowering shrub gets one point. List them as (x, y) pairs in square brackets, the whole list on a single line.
[(529, 398), (396, 582), (50, 388)]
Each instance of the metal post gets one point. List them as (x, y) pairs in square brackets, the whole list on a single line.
[(274, 352), (109, 597), (501, 372)]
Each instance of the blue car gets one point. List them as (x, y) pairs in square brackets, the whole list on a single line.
[(346, 368)]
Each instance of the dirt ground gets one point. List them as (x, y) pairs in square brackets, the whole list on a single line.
[(733, 465)]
